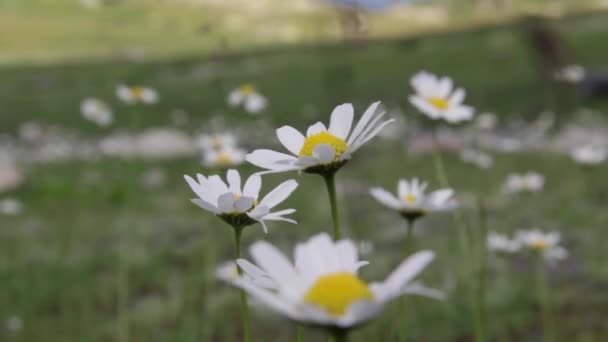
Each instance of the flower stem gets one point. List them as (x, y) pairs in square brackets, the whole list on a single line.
[(409, 236), (543, 298), (339, 335), (403, 306), (463, 240), (244, 307), (300, 333), (330, 182)]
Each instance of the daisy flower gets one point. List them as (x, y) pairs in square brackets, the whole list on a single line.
[(96, 111), (225, 157), (238, 206), (10, 207), (322, 286), (438, 99), (412, 202), (247, 96), (501, 243), (528, 182), (323, 150), (589, 155), (477, 158), (133, 95), (546, 244), (216, 141)]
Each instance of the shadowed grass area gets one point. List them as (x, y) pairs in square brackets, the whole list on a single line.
[(59, 261)]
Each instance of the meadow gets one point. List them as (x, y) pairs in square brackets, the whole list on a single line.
[(97, 255)]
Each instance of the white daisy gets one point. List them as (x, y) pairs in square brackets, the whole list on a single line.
[(323, 150), (247, 95), (96, 111), (133, 95), (238, 206), (486, 121), (412, 202), (571, 74), (547, 244), (589, 155), (223, 158), (528, 182), (501, 243), (477, 158), (437, 98), (10, 207), (322, 287), (215, 141)]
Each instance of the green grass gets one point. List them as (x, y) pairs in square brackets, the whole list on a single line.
[(59, 260)]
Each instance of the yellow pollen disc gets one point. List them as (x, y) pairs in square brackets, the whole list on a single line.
[(409, 198), (539, 245), (439, 103), (247, 89), (324, 137), (336, 292), (137, 93), (224, 159)]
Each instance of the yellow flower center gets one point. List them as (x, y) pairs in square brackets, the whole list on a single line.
[(336, 292), (224, 159), (539, 245), (324, 137), (409, 198), (439, 103), (247, 89), (137, 93)]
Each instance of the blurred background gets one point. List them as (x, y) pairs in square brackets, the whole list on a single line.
[(106, 104)]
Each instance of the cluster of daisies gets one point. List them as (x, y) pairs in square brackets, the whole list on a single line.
[(220, 150), (100, 113), (544, 244)]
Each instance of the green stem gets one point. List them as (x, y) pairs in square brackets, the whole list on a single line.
[(300, 333), (330, 182), (407, 249), (463, 240), (482, 257), (543, 298), (339, 335), (244, 307), (123, 293), (409, 236)]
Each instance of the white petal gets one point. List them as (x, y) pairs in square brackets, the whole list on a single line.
[(234, 181), (252, 186), (235, 98), (255, 103), (369, 136), (408, 269), (291, 139), (444, 87), (416, 289), (341, 120), (367, 115), (385, 198), (273, 262), (403, 188), (279, 194), (217, 185), (225, 203), (243, 204), (457, 97), (207, 206), (316, 128), (270, 299), (271, 160), (324, 153), (425, 107)]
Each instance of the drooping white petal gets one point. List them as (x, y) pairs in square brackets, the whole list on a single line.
[(341, 120), (365, 118), (268, 298), (273, 262), (279, 194), (386, 198), (291, 138), (272, 160), (204, 205), (406, 272)]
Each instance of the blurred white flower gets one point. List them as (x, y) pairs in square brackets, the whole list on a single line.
[(165, 143), (322, 150), (240, 206), (486, 121), (14, 324), (121, 145), (91, 4), (227, 272), (365, 247), (216, 141), (497, 242), (11, 176), (412, 202), (322, 286), (528, 182), (437, 98), (10, 207), (547, 244), (477, 158), (133, 95), (571, 74), (223, 158), (247, 96), (96, 111), (31, 132), (589, 155)]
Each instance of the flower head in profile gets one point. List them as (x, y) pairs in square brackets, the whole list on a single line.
[(239, 206), (589, 155), (247, 96), (223, 158), (527, 182), (324, 149), (412, 202), (96, 111), (136, 94), (437, 98), (322, 287), (545, 244), (497, 242)]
